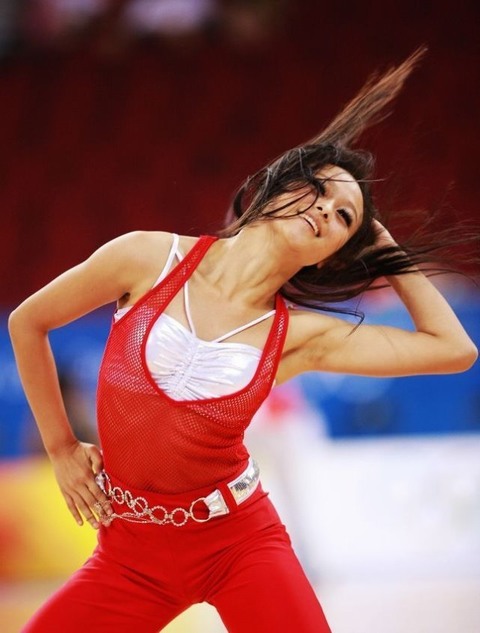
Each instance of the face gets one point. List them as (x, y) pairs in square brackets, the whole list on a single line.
[(319, 227)]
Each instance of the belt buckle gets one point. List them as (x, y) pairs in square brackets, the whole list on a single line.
[(216, 506)]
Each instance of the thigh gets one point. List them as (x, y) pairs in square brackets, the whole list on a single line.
[(266, 589), (105, 597)]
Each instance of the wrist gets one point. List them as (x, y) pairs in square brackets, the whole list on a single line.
[(412, 283), (60, 446)]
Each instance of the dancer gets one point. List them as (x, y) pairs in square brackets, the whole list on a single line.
[(202, 330)]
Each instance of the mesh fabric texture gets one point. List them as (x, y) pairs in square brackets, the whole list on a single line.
[(159, 444)]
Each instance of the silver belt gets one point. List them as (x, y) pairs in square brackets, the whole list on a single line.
[(139, 510)]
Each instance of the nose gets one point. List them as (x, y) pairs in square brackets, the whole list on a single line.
[(324, 213)]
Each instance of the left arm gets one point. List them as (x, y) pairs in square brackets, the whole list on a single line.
[(438, 345)]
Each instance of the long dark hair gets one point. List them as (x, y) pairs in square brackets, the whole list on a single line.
[(354, 268)]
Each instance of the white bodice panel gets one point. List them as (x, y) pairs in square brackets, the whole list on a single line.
[(188, 368)]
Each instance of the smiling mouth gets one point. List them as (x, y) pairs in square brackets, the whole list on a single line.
[(312, 223)]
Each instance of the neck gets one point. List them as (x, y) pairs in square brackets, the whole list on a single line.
[(251, 266)]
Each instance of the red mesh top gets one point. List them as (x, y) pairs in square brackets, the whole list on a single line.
[(154, 442)]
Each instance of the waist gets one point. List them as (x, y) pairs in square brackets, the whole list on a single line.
[(196, 506)]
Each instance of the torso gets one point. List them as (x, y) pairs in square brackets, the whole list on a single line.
[(207, 300), (173, 444)]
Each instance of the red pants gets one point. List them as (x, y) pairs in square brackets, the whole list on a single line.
[(141, 576)]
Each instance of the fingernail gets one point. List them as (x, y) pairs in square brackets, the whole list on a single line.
[(95, 525)]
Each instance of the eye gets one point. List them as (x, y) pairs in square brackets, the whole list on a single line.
[(346, 216)]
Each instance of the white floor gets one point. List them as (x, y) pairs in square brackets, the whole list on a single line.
[(369, 607), (388, 530), (415, 607)]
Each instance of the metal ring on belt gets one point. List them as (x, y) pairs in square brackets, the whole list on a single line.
[(139, 510)]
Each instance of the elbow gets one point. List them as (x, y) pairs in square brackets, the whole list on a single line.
[(14, 323), (472, 355), (23, 322), (18, 322), (465, 357), (13, 320)]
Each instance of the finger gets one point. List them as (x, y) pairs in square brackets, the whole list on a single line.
[(87, 511), (92, 493), (101, 496), (92, 519), (98, 501), (102, 506), (73, 509), (96, 459), (102, 511)]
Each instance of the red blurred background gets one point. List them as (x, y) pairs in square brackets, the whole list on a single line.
[(109, 123)]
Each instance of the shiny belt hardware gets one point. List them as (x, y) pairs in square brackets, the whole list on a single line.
[(139, 510)]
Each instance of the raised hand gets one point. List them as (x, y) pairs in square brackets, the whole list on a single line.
[(384, 238)]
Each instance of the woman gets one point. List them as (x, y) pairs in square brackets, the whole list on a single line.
[(201, 332)]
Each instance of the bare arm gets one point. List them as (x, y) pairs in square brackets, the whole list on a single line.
[(121, 267), (438, 344)]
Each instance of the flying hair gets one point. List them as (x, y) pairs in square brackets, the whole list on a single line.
[(356, 266), (367, 108), (300, 164)]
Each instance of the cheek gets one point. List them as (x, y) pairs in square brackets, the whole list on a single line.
[(339, 240)]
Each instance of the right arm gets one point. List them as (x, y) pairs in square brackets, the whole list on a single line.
[(123, 267)]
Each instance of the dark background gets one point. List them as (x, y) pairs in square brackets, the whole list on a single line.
[(105, 130)]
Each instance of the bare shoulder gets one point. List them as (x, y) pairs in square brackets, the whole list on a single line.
[(137, 247), (137, 258), (142, 249), (121, 269), (149, 247)]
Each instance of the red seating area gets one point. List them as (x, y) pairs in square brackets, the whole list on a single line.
[(159, 140)]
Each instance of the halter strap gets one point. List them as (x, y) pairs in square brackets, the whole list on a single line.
[(188, 313), (244, 327)]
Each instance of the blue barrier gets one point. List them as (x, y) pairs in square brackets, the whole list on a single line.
[(78, 348), (355, 406), (352, 406)]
